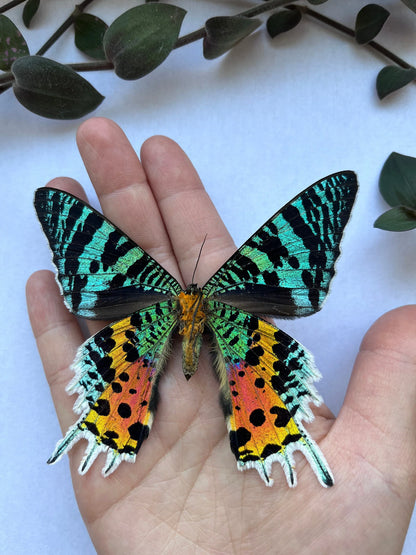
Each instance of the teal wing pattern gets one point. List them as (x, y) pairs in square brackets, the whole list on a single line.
[(266, 381), (102, 273), (285, 268), (116, 376)]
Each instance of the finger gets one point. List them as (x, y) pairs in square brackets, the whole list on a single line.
[(69, 185), (379, 413), (57, 335), (186, 209), (122, 187)]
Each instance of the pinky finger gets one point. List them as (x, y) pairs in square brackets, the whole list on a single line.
[(57, 334)]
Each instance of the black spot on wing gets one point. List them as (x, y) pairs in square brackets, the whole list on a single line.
[(291, 438), (116, 387), (89, 426), (252, 356), (244, 268), (102, 407), (238, 438), (124, 410), (111, 434), (270, 449), (257, 417), (283, 416), (138, 432), (104, 368)]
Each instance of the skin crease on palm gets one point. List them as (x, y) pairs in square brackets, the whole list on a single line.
[(184, 493)]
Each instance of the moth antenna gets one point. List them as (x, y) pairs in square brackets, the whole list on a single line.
[(199, 256)]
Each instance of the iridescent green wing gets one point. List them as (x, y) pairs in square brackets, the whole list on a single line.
[(116, 376), (103, 274), (266, 381), (285, 268)]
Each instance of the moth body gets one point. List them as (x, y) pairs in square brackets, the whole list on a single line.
[(192, 320)]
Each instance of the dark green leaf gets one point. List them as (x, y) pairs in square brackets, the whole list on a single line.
[(12, 43), (29, 10), (369, 22), (316, 2), (399, 218), (283, 21), (53, 90), (393, 78), (89, 34), (142, 37), (411, 4), (222, 33), (397, 181)]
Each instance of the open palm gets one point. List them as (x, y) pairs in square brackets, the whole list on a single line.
[(183, 494)]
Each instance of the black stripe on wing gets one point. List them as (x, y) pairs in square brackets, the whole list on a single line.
[(102, 272), (285, 268)]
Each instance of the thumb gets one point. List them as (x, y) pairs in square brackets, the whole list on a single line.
[(377, 421)]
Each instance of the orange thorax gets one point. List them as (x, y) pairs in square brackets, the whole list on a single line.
[(192, 321)]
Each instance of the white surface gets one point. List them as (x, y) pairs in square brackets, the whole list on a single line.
[(259, 124)]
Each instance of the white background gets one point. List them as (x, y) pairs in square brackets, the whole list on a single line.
[(260, 124)]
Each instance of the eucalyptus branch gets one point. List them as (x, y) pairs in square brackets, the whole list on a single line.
[(201, 33), (11, 5), (7, 78), (140, 39), (351, 33), (253, 12)]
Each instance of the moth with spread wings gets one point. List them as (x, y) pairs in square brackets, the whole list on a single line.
[(266, 377)]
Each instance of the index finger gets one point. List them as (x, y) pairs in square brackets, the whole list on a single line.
[(186, 208), (123, 189)]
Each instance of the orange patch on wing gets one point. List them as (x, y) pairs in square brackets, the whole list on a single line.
[(121, 418), (260, 419), (260, 422)]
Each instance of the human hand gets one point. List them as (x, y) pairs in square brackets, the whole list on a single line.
[(184, 493)]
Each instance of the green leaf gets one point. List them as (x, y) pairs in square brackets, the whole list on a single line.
[(397, 181), (393, 78), (29, 10), (283, 21), (89, 34), (222, 33), (411, 4), (53, 90), (369, 22), (142, 38), (12, 43), (400, 218)]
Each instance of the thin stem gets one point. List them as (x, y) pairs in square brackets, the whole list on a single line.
[(65, 25), (351, 33), (6, 79), (11, 5), (92, 66)]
